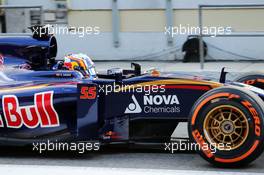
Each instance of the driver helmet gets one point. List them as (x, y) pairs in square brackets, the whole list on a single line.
[(81, 63)]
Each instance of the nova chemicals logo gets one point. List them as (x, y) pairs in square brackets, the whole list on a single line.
[(154, 104), (133, 107), (161, 99)]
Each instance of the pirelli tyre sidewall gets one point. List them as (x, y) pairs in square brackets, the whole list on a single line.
[(254, 79), (243, 103)]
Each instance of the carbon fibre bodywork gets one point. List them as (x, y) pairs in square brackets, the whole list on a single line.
[(104, 116), (129, 107)]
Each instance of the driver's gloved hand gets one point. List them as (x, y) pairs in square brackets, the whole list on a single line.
[(58, 66)]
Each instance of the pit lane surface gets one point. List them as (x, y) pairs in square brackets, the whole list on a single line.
[(113, 161), (123, 161)]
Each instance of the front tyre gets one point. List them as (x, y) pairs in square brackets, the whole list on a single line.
[(255, 79), (227, 125)]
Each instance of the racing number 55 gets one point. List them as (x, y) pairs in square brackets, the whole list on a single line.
[(88, 92)]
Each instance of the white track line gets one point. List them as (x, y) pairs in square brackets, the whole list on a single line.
[(67, 170)]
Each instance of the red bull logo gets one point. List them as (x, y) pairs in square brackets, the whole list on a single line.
[(42, 113)]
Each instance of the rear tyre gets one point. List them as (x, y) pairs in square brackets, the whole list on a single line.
[(227, 125)]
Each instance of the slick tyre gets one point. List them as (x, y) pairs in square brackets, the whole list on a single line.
[(254, 79), (227, 125)]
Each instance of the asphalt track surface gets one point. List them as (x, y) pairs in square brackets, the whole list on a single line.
[(125, 161)]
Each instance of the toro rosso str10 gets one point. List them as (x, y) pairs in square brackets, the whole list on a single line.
[(46, 99)]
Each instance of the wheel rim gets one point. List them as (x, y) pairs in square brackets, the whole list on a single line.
[(226, 125)]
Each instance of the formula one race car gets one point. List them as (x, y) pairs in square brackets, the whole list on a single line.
[(44, 99)]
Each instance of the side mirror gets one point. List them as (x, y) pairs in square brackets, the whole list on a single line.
[(223, 75), (118, 77), (137, 68)]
